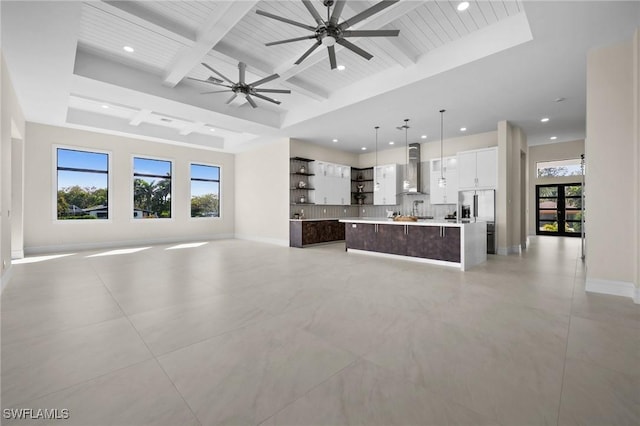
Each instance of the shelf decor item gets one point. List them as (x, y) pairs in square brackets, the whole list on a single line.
[(302, 184), (302, 170), (303, 199), (360, 197)]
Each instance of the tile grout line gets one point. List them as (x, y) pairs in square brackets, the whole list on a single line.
[(153, 355), (566, 351)]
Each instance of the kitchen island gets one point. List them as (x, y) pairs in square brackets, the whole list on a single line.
[(462, 245)]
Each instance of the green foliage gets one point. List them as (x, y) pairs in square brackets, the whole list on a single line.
[(153, 197), (206, 205), (82, 198)]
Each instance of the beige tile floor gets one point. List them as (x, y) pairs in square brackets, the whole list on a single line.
[(241, 333)]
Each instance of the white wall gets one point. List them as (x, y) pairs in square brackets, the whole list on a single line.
[(319, 153), (431, 149), (262, 193), (549, 152), (612, 164), (44, 233), (11, 127)]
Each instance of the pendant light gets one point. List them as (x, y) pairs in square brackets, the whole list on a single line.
[(405, 183), (442, 182), (376, 187)]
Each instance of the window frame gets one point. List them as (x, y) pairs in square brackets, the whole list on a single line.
[(537, 168), (54, 181), (171, 161), (220, 196)]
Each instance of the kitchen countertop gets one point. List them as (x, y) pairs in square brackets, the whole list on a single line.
[(420, 222)]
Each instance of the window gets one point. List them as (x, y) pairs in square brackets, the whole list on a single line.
[(82, 184), (205, 191), (151, 188), (559, 168)]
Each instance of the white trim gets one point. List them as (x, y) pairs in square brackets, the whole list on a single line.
[(6, 277), (116, 244), (17, 254), (502, 251), (408, 258), (614, 288), (274, 241)]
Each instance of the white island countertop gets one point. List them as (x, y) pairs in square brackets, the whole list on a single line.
[(420, 222)]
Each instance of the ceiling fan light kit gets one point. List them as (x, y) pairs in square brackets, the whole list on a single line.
[(330, 32), (241, 87)]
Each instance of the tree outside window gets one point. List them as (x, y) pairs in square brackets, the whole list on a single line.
[(205, 191), (82, 185), (151, 188)]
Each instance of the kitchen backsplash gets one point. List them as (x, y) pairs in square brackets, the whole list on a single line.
[(405, 207)]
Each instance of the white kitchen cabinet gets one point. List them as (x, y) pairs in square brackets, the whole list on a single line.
[(332, 183), (387, 176), (478, 169), (448, 194)]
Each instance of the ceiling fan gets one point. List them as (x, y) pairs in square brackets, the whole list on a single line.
[(330, 32), (242, 88)]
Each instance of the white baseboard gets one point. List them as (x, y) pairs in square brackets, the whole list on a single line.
[(274, 241), (17, 254), (613, 288), (505, 251), (6, 277), (115, 244)]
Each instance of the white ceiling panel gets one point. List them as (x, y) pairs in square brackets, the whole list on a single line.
[(192, 14), (102, 31)]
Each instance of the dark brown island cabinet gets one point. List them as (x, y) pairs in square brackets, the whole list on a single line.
[(305, 232), (459, 245)]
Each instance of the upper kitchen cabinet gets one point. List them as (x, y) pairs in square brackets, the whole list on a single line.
[(387, 176), (478, 169), (332, 183), (448, 194)]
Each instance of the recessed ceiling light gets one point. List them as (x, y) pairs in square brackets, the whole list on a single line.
[(544, 120), (105, 106), (128, 49), (364, 148), (559, 99), (423, 137), (553, 138), (335, 140), (462, 6), (212, 129), (341, 67), (391, 142), (463, 129)]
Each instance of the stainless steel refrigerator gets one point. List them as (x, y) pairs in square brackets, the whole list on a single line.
[(480, 205)]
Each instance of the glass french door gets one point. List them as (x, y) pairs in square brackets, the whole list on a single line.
[(559, 209)]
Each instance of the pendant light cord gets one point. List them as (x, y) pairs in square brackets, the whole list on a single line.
[(442, 111)]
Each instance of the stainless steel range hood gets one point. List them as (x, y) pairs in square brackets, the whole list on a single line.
[(413, 170)]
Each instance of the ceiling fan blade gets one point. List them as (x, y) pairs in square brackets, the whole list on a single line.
[(332, 57), (273, 43), (251, 101), (313, 11), (243, 70), (264, 80), (216, 72), (231, 98), (211, 80), (371, 33), (308, 52), (355, 49), (337, 11), (215, 91), (366, 13), (272, 90), (288, 21), (266, 98)]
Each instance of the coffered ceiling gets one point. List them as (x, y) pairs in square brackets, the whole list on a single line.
[(498, 60)]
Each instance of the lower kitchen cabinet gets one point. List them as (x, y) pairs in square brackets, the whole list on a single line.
[(428, 242), (307, 232)]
